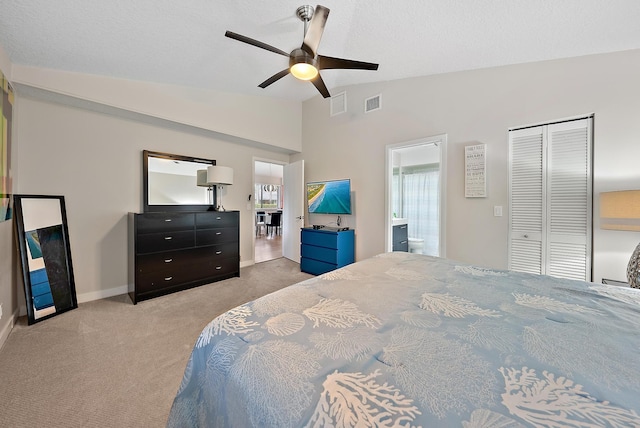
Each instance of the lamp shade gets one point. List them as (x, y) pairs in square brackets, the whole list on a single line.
[(202, 178), (220, 175), (620, 210)]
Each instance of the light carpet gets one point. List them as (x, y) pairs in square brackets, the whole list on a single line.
[(110, 363)]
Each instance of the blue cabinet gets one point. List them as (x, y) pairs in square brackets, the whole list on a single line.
[(324, 250)]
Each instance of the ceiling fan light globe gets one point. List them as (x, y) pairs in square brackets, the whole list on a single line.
[(304, 71)]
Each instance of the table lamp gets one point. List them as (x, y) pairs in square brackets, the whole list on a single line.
[(220, 176), (621, 211)]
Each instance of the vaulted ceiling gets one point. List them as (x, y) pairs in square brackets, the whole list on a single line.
[(182, 42)]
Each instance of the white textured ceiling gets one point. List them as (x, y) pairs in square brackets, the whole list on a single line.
[(183, 43)]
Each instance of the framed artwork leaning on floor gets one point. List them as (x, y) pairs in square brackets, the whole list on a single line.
[(45, 254)]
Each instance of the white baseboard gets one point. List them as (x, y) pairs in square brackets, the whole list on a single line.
[(102, 294), (247, 263), (4, 334)]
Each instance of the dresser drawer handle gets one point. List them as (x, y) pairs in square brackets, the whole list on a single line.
[(218, 267), (168, 260), (167, 219), (218, 233), (403, 227), (218, 252), (168, 238), (168, 278), (403, 242)]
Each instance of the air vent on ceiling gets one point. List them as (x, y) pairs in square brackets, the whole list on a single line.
[(339, 103), (373, 103)]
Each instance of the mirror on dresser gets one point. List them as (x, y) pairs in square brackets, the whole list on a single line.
[(179, 241), (170, 183)]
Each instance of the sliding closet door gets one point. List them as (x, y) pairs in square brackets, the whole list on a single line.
[(551, 199)]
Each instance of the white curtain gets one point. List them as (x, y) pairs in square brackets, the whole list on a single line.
[(420, 188)]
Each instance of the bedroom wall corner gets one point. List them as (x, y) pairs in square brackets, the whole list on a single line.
[(8, 257)]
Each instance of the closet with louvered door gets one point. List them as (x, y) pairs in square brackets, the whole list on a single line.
[(550, 199)]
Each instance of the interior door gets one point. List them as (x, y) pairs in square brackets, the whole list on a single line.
[(294, 207)]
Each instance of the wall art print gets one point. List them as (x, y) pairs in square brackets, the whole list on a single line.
[(6, 118), (45, 254)]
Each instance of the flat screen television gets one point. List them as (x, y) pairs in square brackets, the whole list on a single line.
[(329, 197)]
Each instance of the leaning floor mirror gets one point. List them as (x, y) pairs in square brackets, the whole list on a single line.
[(43, 242)]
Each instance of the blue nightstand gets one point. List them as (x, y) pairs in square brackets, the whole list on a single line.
[(324, 250)]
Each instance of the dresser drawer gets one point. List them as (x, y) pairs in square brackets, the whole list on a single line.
[(320, 238), (220, 266), (315, 267), (218, 219), (216, 236), (201, 267), (163, 222), (147, 263), (157, 280), (328, 255), (154, 242)]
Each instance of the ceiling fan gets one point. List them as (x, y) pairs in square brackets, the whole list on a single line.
[(304, 62)]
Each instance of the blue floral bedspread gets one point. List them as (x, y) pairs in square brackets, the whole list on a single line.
[(410, 340)]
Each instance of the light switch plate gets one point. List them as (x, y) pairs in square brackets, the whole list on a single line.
[(497, 211)]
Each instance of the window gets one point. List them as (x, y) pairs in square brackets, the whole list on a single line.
[(268, 196)]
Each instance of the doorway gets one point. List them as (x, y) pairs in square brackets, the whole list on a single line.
[(416, 189), (268, 207)]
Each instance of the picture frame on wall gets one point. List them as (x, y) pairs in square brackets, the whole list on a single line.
[(45, 255), (475, 171)]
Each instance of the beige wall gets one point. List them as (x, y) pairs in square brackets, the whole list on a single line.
[(271, 121), (8, 272), (479, 107), (95, 161)]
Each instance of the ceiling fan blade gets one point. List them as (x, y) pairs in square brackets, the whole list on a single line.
[(314, 31), (320, 86), (327, 62), (254, 42), (274, 78)]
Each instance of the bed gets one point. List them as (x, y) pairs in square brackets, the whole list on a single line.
[(410, 340)]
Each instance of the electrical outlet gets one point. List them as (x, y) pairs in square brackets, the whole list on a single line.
[(497, 211), (0, 311)]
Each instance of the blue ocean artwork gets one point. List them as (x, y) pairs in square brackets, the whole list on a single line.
[(40, 289), (332, 197), (33, 242)]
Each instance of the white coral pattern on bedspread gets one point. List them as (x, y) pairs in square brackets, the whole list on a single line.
[(550, 305), (406, 340), (275, 378), (355, 399), (558, 402), (232, 322), (477, 271), (339, 314), (453, 306)]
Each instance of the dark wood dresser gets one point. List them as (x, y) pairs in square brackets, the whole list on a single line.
[(173, 251)]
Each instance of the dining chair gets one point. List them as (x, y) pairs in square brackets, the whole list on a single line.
[(260, 222), (274, 222)]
